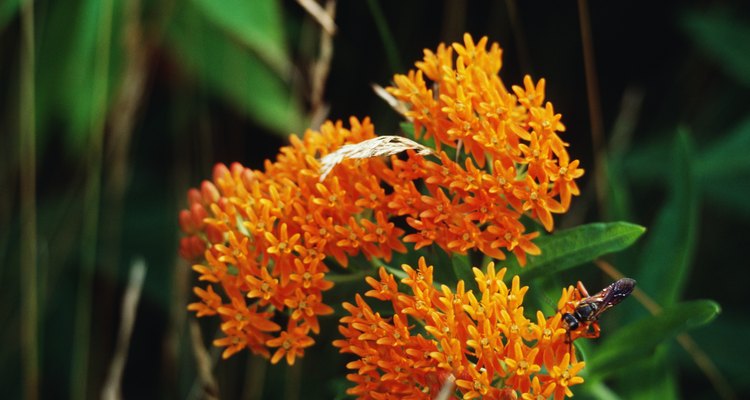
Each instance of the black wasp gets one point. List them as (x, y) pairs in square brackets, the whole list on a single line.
[(589, 308)]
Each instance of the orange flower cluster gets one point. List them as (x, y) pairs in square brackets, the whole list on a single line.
[(262, 238), (483, 343), (514, 135)]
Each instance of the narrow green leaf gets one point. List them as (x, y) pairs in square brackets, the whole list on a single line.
[(727, 156), (725, 38), (257, 24), (227, 69), (572, 247), (668, 253), (656, 377), (398, 273), (599, 390), (444, 270), (67, 59), (639, 339), (723, 169), (463, 269)]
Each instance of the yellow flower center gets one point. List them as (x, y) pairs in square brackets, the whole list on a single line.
[(523, 365), (287, 344), (565, 377)]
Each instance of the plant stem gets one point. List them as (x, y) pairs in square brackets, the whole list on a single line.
[(391, 50), (595, 110), (91, 201), (28, 262)]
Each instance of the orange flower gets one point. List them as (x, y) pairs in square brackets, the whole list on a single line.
[(483, 340), (264, 239), (291, 343)]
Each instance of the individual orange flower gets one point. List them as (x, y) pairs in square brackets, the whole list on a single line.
[(291, 344), (482, 340)]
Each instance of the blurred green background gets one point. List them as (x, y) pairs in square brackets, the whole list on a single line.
[(110, 110)]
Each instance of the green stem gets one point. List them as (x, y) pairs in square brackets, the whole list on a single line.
[(91, 201), (391, 50), (28, 263), (346, 278)]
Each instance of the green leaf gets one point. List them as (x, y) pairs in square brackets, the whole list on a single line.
[(67, 73), (8, 10), (638, 340), (227, 69), (727, 156), (572, 247), (656, 377), (668, 253), (398, 273), (463, 269), (724, 38), (257, 24), (723, 169)]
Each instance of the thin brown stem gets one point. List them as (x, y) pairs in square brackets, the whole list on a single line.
[(255, 378), (320, 70), (28, 263), (112, 386), (595, 111), (204, 363), (320, 15), (515, 25)]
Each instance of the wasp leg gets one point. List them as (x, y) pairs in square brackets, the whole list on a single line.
[(582, 290), (592, 331)]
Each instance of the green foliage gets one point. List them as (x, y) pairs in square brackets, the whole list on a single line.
[(638, 340), (246, 69), (258, 25), (669, 249), (725, 38), (572, 247)]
